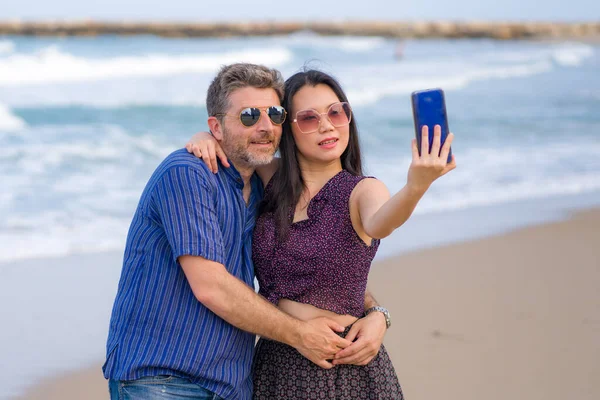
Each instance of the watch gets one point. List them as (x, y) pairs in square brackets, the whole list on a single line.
[(384, 311)]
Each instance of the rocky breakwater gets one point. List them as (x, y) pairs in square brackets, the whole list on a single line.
[(474, 29)]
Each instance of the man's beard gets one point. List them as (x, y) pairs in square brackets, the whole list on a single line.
[(237, 149)]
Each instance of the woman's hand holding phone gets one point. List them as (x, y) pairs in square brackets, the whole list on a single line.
[(427, 166)]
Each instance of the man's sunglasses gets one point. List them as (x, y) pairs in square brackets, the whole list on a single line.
[(339, 114), (251, 115)]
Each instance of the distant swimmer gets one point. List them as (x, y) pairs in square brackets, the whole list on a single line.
[(399, 50)]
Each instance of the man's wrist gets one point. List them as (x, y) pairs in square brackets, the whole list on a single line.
[(295, 336), (384, 311)]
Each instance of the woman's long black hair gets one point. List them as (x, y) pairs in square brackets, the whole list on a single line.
[(287, 183)]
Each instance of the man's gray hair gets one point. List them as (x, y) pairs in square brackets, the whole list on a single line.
[(237, 76)]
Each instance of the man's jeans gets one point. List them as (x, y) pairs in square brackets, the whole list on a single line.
[(158, 387)]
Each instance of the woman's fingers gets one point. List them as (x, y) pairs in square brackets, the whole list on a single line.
[(424, 141), (222, 157), (196, 150), (214, 167), (206, 159), (209, 152), (428, 167), (415, 150), (352, 333), (450, 166), (437, 138), (446, 147), (192, 148)]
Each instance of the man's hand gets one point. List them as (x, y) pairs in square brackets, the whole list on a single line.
[(319, 342), (369, 333)]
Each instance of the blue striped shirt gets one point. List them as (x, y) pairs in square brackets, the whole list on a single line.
[(158, 327)]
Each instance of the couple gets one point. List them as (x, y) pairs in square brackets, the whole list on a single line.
[(185, 314)]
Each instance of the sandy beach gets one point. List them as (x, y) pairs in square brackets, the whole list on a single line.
[(511, 316)]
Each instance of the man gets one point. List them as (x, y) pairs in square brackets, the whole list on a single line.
[(185, 313)]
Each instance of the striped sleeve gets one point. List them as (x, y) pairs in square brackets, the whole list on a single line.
[(185, 206)]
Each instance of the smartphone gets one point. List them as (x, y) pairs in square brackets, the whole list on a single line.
[(429, 108)]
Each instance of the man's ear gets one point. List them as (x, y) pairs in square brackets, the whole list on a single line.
[(216, 128)]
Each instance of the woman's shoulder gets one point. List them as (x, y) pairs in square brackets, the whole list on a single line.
[(362, 181), (347, 185), (368, 186)]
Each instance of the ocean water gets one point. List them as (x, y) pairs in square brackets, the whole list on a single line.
[(84, 122)]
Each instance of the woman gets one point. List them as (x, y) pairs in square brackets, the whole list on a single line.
[(320, 225)]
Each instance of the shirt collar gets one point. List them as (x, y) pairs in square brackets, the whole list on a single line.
[(232, 174)]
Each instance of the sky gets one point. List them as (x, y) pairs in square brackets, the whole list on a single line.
[(263, 10)]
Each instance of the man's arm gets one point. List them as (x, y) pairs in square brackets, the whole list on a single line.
[(183, 200), (370, 300), (235, 302)]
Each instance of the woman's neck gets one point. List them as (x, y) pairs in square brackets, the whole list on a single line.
[(316, 175)]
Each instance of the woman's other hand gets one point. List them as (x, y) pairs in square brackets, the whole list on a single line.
[(366, 336), (203, 145)]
